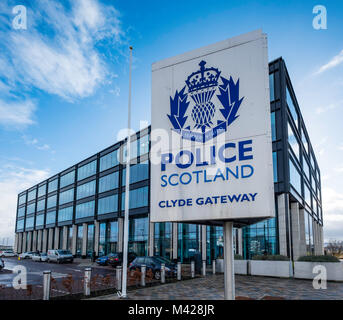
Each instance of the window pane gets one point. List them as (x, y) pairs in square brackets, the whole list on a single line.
[(21, 212), (52, 186), (67, 179), (293, 141), (275, 166), (31, 195), (271, 87), (85, 209), (109, 182), (108, 161), (22, 199), (65, 214), (31, 208), (41, 205), (86, 170), (40, 220), (138, 198), (52, 201), (86, 190), (20, 225), (292, 107), (41, 190), (51, 217), (29, 222), (139, 172), (108, 204), (294, 177), (143, 145), (66, 196), (273, 126)]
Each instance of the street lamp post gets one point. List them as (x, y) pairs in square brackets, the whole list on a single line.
[(127, 188)]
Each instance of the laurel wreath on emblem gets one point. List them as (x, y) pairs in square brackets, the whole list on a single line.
[(202, 86)]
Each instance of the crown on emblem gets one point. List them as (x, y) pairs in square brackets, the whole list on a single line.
[(203, 79)]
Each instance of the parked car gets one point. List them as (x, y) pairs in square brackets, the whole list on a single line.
[(2, 264), (117, 258), (7, 253), (154, 264), (60, 256), (40, 257), (26, 255), (103, 260)]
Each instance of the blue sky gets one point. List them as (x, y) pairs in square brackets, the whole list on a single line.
[(64, 80)]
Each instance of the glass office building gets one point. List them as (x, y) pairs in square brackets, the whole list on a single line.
[(82, 208)]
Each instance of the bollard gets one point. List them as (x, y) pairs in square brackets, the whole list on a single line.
[(204, 267), (214, 266), (119, 275), (46, 285), (143, 272), (179, 271), (192, 269), (163, 273), (87, 282)]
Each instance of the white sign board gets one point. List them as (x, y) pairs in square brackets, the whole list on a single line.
[(211, 155)]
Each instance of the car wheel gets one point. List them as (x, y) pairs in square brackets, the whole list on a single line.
[(157, 275)]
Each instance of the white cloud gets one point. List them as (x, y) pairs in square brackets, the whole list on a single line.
[(14, 179), (60, 58), (334, 62), (17, 114)]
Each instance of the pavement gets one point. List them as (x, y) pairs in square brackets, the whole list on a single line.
[(211, 287), (35, 270)]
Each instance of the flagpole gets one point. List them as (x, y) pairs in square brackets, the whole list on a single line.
[(127, 188)]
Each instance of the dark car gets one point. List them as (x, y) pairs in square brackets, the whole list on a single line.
[(154, 264), (117, 258), (2, 264), (103, 261)]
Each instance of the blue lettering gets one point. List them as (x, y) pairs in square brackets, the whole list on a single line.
[(221, 153), (253, 196), (242, 149), (178, 158), (166, 158), (249, 174)]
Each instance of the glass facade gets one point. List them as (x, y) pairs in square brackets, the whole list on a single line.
[(41, 205), (109, 182), (86, 171), (22, 199), (79, 240), (90, 240), (20, 225), (291, 107), (51, 217), (52, 185), (294, 177), (29, 222), (188, 241), (108, 204), (31, 208), (138, 235), (138, 172), (215, 243), (52, 201), (260, 238), (138, 198), (40, 220), (65, 214), (86, 190), (67, 179), (110, 160), (66, 196), (31, 195), (21, 212), (85, 209), (163, 239), (42, 190), (271, 87)]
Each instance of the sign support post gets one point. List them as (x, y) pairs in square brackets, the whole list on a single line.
[(229, 272)]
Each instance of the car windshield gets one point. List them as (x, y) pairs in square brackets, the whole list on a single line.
[(63, 251), (43, 254), (162, 260)]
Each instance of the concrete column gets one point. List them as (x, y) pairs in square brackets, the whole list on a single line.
[(295, 230), (302, 232), (24, 241), (34, 241), (50, 239), (15, 249), (315, 241), (151, 239), (174, 240), (321, 241), (282, 201), (96, 237), (84, 239), (240, 241), (20, 242), (203, 242), (65, 238), (39, 240), (57, 238), (45, 240), (120, 234), (29, 241), (73, 245)]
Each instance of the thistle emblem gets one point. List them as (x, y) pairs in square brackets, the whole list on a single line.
[(202, 86)]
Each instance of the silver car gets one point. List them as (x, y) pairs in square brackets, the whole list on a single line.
[(40, 257), (60, 256)]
